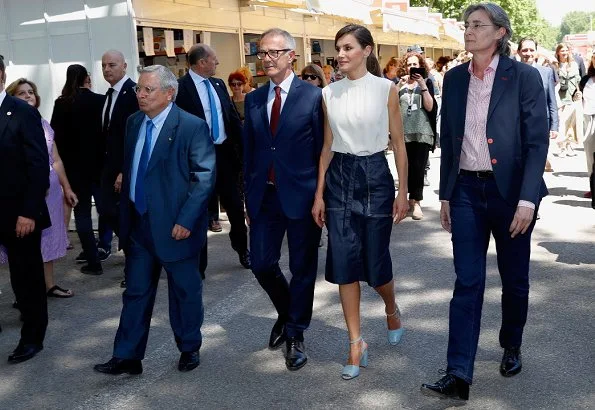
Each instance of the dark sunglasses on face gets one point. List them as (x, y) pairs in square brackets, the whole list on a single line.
[(236, 84), (310, 77)]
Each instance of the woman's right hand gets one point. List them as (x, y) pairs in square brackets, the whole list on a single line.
[(319, 211)]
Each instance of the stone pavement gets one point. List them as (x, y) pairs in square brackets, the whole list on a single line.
[(238, 371)]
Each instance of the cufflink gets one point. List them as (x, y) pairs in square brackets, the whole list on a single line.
[(9, 113)]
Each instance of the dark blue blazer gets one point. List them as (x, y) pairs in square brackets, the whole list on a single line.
[(24, 165), (517, 130), (293, 151), (549, 85), (178, 182)]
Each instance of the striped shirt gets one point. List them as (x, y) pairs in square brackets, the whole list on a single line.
[(475, 154)]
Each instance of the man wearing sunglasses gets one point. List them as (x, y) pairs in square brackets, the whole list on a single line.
[(283, 135), (205, 96)]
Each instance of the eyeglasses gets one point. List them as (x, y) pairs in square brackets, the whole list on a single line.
[(273, 54), (236, 84), (147, 90), (475, 26), (309, 77)]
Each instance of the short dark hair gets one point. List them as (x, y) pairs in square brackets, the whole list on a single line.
[(198, 52), (522, 40), (2, 66)]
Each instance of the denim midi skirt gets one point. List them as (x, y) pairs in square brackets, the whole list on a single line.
[(359, 198)]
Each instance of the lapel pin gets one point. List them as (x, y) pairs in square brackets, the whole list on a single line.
[(9, 113), (170, 139)]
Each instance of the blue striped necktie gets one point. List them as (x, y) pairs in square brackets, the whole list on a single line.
[(140, 200), (214, 116)]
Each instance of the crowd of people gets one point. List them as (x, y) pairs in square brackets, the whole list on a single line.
[(287, 159)]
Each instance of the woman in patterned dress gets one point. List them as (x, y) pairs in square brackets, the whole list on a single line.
[(53, 239)]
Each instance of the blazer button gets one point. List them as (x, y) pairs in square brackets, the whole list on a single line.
[(494, 161), (490, 141), (272, 148)]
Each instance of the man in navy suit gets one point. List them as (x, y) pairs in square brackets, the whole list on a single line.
[(207, 97), (527, 48), (283, 135), (167, 178), (494, 140), (24, 180)]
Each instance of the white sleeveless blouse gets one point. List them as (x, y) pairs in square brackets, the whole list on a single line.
[(358, 114)]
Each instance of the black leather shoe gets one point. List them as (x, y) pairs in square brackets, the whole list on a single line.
[(245, 259), (189, 361), (448, 387), (24, 352), (119, 366), (511, 362), (92, 269), (277, 335), (296, 357)]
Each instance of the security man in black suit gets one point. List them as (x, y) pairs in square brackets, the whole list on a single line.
[(24, 180), (206, 97)]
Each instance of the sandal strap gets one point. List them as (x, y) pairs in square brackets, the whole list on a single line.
[(397, 312), (352, 342)]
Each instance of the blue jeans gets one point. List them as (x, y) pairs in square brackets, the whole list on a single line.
[(477, 210)]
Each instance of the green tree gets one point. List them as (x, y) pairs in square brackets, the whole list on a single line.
[(576, 22)]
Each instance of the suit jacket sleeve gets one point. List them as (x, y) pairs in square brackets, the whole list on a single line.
[(201, 157), (37, 160), (318, 125), (247, 142), (445, 140), (551, 102), (534, 135)]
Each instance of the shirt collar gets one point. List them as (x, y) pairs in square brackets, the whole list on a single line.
[(2, 96), (285, 84), (160, 118), (118, 86), (492, 67), (197, 78)]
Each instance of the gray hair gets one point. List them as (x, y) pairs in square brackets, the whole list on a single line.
[(117, 53), (167, 79), (499, 18), (289, 40)]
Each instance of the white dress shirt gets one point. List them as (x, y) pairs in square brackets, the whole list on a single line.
[(2, 95), (117, 88), (285, 85), (203, 94)]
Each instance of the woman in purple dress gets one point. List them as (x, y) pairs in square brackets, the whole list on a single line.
[(53, 239)]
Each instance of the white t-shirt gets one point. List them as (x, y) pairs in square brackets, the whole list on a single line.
[(358, 114), (589, 97)]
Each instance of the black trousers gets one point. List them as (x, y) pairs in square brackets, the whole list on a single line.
[(28, 284), (226, 187), (417, 157)]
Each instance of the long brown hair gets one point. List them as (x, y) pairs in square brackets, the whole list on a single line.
[(14, 86)]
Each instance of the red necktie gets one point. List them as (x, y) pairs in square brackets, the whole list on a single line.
[(275, 114)]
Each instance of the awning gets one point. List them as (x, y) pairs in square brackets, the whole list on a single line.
[(398, 21), (352, 10)]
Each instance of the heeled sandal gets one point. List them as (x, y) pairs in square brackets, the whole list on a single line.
[(394, 336), (351, 371)]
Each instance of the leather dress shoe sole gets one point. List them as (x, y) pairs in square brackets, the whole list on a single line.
[(294, 368), (432, 393), (23, 353)]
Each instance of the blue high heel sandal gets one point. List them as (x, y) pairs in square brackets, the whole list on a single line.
[(351, 371), (394, 336)]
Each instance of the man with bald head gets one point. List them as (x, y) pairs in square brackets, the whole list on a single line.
[(207, 97), (120, 103)]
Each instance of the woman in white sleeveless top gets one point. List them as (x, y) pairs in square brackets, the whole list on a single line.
[(355, 195)]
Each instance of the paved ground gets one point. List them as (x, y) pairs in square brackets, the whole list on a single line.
[(237, 371)]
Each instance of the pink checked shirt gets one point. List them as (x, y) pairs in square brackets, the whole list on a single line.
[(475, 154)]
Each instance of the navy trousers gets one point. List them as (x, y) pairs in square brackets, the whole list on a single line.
[(477, 210), (143, 269), (293, 300)]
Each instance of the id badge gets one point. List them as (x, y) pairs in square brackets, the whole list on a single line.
[(414, 107)]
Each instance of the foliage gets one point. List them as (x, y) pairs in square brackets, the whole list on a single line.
[(576, 22)]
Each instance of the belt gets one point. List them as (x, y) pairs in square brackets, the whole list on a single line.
[(477, 174)]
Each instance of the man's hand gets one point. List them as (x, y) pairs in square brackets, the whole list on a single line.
[(445, 216), (24, 226), (179, 232), (118, 183), (553, 135), (522, 219)]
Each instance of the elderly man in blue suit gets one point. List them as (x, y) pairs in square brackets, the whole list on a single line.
[(167, 178), (494, 141), (283, 135), (527, 49)]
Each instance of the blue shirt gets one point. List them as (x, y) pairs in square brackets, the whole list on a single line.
[(203, 95), (158, 122)]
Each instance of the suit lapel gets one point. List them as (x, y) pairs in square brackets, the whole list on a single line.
[(462, 94), (122, 95), (164, 139), (5, 113), (264, 115), (221, 89), (131, 141), (501, 80), (191, 87), (290, 101)]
